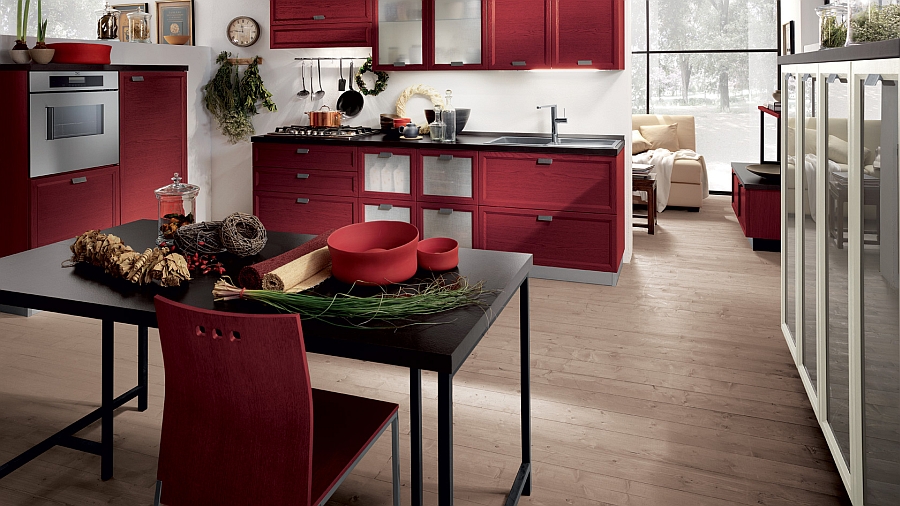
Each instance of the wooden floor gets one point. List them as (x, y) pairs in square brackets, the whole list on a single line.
[(674, 388)]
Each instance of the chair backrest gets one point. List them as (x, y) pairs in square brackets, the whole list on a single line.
[(686, 135), (237, 419)]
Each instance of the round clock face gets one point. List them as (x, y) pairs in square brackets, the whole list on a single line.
[(243, 31)]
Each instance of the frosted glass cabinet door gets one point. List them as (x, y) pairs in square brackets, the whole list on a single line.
[(453, 222), (449, 176), (457, 32), (388, 172), (387, 212), (400, 33)]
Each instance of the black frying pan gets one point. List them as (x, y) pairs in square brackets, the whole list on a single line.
[(351, 101)]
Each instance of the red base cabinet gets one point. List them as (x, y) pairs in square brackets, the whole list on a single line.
[(306, 214), (66, 205)]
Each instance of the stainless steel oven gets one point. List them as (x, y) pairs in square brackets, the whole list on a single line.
[(74, 121)]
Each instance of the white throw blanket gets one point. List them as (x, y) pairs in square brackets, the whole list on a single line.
[(662, 161)]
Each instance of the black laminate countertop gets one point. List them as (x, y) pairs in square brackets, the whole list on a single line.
[(77, 67), (752, 181), (869, 51), (474, 141)]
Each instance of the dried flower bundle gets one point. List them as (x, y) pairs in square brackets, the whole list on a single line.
[(121, 261)]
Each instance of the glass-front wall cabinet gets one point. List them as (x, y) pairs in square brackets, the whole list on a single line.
[(457, 32), (400, 33), (841, 260)]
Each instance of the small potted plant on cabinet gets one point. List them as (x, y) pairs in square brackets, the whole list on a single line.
[(19, 52), (41, 53)]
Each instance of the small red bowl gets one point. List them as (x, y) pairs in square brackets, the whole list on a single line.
[(374, 253), (80, 52), (438, 254), (401, 122)]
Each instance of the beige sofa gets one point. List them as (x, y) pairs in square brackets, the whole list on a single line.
[(687, 189)]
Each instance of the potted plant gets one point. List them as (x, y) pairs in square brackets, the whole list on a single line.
[(41, 53), (19, 52)]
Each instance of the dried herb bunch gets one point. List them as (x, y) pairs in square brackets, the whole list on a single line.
[(233, 99), (119, 260), (833, 34), (876, 24)]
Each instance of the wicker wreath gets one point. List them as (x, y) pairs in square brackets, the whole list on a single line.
[(243, 234), (200, 238), (380, 81), (418, 89)]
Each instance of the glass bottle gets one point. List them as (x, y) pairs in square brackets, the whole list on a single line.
[(108, 25), (436, 127), (448, 117), (176, 204)]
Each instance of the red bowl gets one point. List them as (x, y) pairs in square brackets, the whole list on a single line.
[(374, 253), (79, 52), (438, 254)]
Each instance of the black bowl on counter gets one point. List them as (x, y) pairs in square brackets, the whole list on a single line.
[(462, 117)]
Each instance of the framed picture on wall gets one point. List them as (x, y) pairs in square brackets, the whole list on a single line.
[(175, 22), (787, 38), (123, 21)]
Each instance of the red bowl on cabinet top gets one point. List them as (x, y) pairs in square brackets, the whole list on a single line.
[(438, 254), (374, 253), (80, 52)]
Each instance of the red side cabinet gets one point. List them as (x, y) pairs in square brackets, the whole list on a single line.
[(588, 34), (518, 34), (152, 136), (66, 205)]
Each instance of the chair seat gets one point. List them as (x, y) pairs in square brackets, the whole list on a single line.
[(343, 428)]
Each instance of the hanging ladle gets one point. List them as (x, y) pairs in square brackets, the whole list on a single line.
[(321, 92), (303, 93)]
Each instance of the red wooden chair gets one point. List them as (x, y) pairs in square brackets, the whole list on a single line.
[(241, 424)]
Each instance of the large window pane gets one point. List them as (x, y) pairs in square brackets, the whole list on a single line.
[(67, 19), (679, 25), (639, 84), (639, 25), (722, 92)]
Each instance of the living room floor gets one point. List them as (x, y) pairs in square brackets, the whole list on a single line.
[(674, 388)]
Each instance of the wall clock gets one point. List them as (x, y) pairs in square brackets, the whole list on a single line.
[(243, 31)]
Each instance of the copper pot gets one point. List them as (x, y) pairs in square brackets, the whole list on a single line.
[(324, 118)]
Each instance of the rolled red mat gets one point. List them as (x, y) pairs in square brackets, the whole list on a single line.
[(251, 276)]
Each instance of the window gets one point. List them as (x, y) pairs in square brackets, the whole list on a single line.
[(714, 60), (67, 19)]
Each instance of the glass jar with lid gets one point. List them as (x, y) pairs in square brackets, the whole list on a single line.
[(139, 26), (177, 206), (108, 24), (833, 21)]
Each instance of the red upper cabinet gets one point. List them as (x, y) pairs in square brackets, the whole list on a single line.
[(152, 136), (588, 34), (321, 23), (518, 34)]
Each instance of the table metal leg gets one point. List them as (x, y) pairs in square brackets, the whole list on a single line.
[(523, 485), (106, 407), (143, 368), (445, 439), (416, 478)]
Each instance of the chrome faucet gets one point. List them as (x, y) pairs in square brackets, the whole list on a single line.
[(554, 121)]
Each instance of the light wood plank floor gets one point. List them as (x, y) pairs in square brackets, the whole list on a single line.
[(674, 388)]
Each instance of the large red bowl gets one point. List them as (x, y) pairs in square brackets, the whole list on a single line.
[(374, 253), (80, 52)]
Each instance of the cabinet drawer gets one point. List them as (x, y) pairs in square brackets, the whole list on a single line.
[(447, 177), (375, 210), (319, 182), (549, 181), (66, 205), (310, 12), (322, 35), (556, 239), (388, 173), (303, 213), (296, 156), (453, 221)]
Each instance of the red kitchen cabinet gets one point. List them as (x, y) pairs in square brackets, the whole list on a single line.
[(14, 145), (66, 205), (308, 156), (588, 34), (315, 181), (518, 34), (448, 176), (152, 137), (388, 173), (307, 214), (320, 23), (757, 205)]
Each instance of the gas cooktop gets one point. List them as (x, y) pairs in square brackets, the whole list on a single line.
[(343, 132)]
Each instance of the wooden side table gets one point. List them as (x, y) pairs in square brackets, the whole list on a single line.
[(646, 184)]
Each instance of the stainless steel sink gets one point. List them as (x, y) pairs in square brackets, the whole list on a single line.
[(564, 142)]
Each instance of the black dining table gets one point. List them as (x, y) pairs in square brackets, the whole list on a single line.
[(35, 279)]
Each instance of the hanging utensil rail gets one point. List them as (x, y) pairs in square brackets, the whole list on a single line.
[(332, 59)]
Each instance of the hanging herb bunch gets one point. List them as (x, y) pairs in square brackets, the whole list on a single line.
[(234, 99)]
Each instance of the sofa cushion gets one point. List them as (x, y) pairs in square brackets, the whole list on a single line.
[(687, 171), (638, 143), (661, 136)]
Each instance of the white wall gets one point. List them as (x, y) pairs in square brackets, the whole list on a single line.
[(806, 22)]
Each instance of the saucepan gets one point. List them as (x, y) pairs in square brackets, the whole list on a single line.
[(324, 117)]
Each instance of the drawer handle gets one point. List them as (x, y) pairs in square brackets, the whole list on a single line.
[(318, 17), (303, 201), (302, 176), (385, 207), (518, 63), (445, 158), (302, 151), (456, 64), (545, 218), (585, 62), (385, 155), (445, 211), (545, 161), (79, 180), (137, 79), (399, 63)]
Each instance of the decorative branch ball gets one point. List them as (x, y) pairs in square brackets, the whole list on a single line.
[(203, 238), (243, 234)]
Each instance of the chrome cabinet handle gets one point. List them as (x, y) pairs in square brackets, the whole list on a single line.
[(518, 64), (302, 151), (385, 207), (318, 17), (399, 64), (302, 176), (545, 218), (545, 161), (456, 64), (445, 158), (385, 154), (137, 79), (79, 180), (585, 62), (445, 211), (303, 201)]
